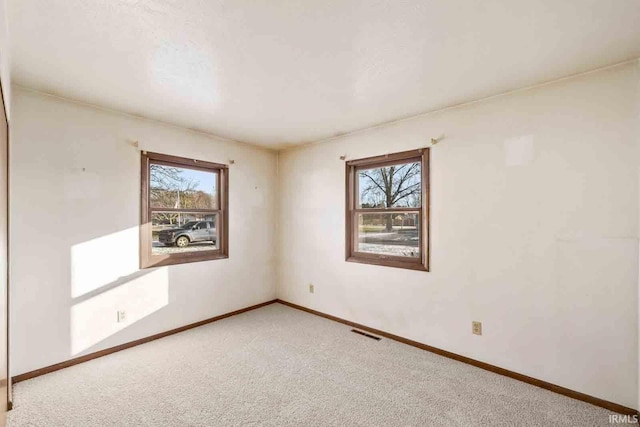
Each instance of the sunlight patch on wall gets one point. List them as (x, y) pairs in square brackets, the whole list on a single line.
[(101, 261), (96, 318)]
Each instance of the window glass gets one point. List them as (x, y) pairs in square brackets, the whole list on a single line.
[(182, 188), (181, 232), (389, 233), (390, 186)]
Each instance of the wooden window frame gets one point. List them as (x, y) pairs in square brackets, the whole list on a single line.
[(352, 194), (147, 260)]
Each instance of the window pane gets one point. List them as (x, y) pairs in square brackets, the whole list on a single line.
[(390, 186), (182, 188), (179, 232), (393, 233)]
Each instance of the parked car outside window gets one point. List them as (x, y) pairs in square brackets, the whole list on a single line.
[(190, 232)]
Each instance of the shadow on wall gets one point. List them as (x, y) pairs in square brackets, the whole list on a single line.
[(105, 279)]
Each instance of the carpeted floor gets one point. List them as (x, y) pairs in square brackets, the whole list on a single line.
[(278, 366)]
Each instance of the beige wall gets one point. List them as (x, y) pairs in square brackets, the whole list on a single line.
[(5, 73), (75, 185), (6, 97), (540, 245)]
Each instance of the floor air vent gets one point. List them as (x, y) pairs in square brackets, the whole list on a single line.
[(373, 337)]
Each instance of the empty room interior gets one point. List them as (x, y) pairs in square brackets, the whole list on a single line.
[(319, 213)]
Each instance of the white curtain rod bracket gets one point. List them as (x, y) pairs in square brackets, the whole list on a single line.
[(434, 141)]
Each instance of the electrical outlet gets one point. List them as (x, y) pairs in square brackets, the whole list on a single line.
[(476, 328), (310, 288), (122, 316)]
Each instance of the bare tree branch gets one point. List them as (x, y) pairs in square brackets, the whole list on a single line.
[(389, 185), (410, 170), (406, 192)]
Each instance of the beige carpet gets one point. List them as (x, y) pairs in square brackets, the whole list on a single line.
[(278, 366)]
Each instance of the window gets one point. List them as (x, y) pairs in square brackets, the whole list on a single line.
[(387, 220), (184, 210)]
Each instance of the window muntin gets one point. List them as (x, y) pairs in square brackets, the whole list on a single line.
[(387, 210), (184, 210)]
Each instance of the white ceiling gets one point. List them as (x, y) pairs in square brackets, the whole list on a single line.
[(282, 72)]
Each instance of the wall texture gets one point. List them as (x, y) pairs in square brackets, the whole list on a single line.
[(75, 185), (4, 57), (5, 393), (534, 232), (5, 78)]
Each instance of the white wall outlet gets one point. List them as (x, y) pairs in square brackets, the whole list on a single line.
[(122, 316), (476, 328), (311, 288)]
